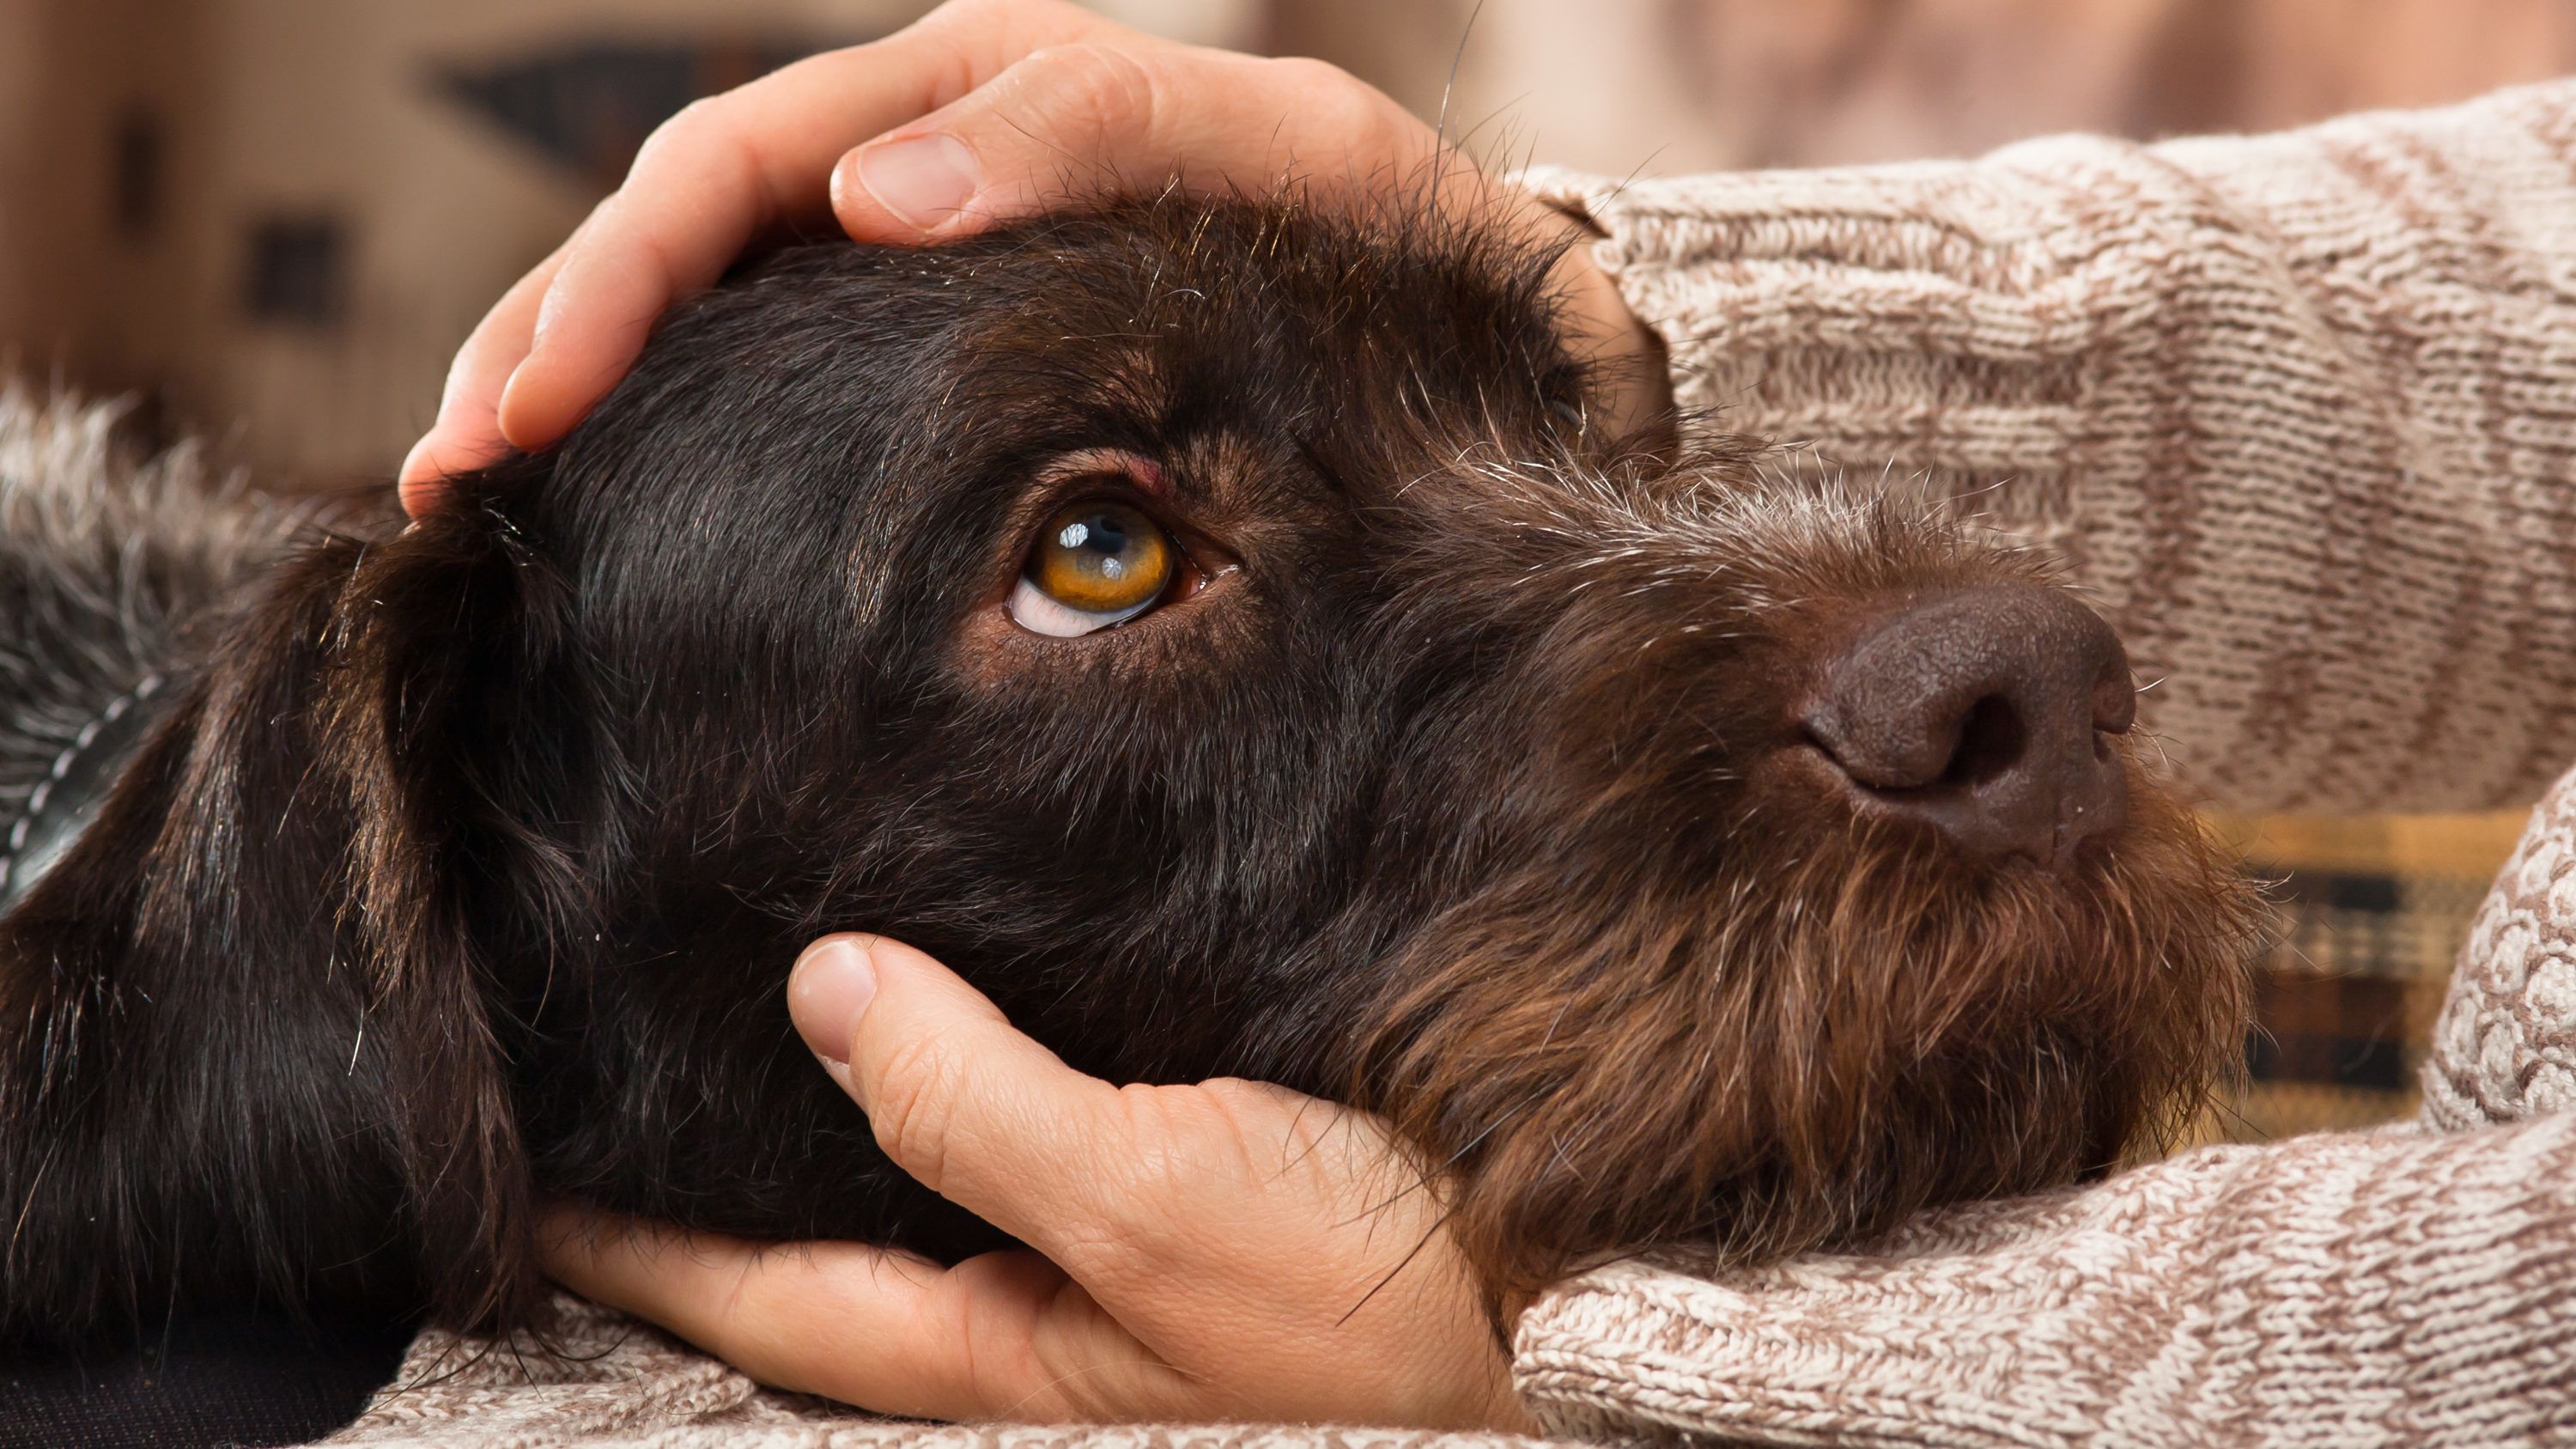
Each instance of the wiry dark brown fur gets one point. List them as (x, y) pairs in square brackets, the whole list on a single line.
[(471, 859), (1780, 1025)]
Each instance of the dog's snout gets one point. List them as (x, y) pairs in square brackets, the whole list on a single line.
[(1983, 712)]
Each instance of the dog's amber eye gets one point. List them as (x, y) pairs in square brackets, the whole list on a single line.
[(1094, 565)]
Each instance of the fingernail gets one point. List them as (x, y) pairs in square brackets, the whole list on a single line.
[(925, 180), (829, 990)]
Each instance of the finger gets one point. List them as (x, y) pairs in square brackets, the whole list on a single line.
[(731, 1297), (726, 169), (465, 435), (979, 1113), (1003, 1335), (1089, 115)]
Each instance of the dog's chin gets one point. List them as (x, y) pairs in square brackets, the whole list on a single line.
[(1863, 1027)]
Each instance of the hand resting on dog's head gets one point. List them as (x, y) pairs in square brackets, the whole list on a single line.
[(973, 116)]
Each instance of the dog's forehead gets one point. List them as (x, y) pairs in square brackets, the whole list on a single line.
[(1263, 301), (834, 387)]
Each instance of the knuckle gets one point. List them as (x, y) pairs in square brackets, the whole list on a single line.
[(686, 125), (1070, 65), (1277, 1131), (1322, 77), (1099, 89), (1241, 1103), (1330, 99), (914, 1105), (755, 1322), (1268, 1126), (984, 1340)]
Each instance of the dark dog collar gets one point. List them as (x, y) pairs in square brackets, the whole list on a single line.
[(65, 802)]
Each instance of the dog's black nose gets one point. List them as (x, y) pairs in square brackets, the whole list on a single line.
[(1984, 712)]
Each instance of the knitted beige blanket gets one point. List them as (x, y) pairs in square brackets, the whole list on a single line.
[(2302, 411)]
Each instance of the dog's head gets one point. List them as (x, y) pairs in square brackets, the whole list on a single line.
[(1216, 629)]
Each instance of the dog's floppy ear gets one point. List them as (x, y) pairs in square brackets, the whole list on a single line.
[(438, 722), (252, 1046)]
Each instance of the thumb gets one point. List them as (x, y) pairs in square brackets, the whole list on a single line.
[(1092, 113), (979, 1113)]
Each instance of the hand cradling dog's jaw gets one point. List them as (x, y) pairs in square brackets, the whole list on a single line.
[(1213, 629)]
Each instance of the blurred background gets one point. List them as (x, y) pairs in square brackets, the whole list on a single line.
[(270, 222)]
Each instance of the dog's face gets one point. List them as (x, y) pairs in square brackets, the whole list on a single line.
[(1215, 630)]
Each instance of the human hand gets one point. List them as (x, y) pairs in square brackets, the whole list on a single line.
[(1224, 1251), (977, 113)]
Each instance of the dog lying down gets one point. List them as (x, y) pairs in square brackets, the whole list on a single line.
[(1214, 629)]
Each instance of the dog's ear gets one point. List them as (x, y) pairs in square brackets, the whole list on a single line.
[(253, 1046), (440, 721)]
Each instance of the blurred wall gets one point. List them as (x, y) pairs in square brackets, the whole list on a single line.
[(1688, 85), (275, 219)]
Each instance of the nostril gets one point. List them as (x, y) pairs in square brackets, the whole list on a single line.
[(2115, 700), (1991, 742)]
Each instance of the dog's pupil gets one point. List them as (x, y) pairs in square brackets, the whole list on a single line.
[(1101, 535)]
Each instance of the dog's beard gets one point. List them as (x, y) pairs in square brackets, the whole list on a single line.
[(1851, 1027)]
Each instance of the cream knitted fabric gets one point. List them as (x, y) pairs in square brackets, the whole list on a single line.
[(2405, 1288), (2505, 1046), (2302, 410), (617, 1384)]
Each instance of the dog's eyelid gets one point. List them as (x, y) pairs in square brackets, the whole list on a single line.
[(1113, 466)]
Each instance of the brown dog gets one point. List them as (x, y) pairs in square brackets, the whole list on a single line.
[(1210, 626)]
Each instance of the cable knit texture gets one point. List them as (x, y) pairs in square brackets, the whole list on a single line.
[(2302, 411), (2505, 1046)]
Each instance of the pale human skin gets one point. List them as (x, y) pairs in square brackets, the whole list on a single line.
[(1228, 1250)]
